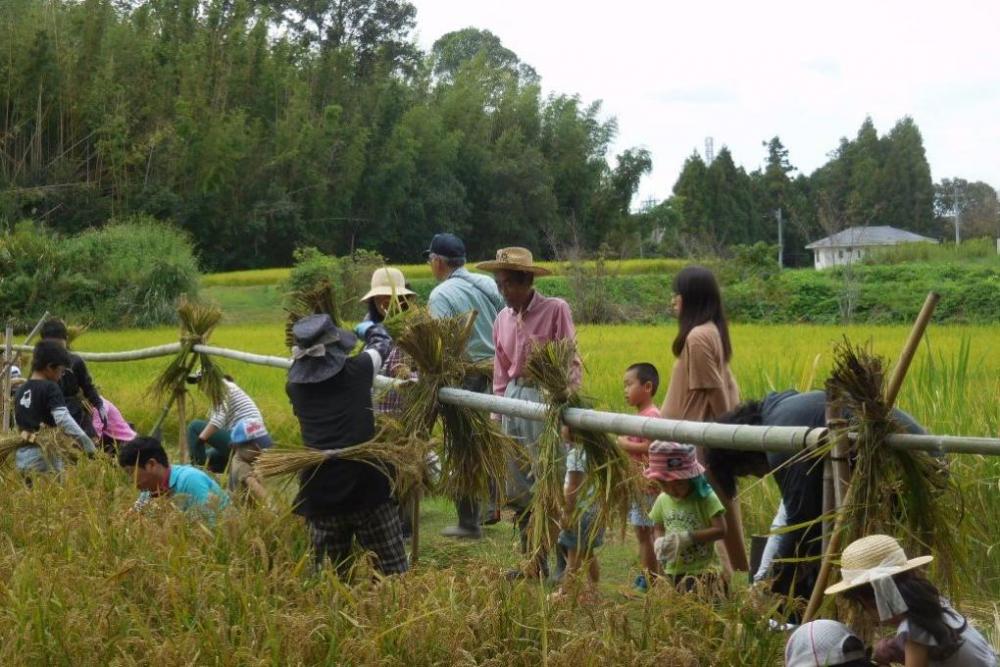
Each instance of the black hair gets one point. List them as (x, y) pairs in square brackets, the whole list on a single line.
[(924, 608), (228, 378), (48, 353), (54, 329), (747, 412), (376, 316), (701, 302), (646, 372), (852, 645), (140, 451)]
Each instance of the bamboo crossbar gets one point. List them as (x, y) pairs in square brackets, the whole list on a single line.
[(728, 436)]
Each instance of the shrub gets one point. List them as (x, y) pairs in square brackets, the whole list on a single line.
[(128, 273)]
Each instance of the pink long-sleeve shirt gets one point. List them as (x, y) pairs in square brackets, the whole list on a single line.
[(515, 334)]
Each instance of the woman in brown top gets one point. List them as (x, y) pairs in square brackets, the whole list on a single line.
[(702, 387)]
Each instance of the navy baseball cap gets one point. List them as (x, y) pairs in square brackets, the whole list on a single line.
[(446, 245)]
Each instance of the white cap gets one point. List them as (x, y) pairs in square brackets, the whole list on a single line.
[(15, 372), (823, 643)]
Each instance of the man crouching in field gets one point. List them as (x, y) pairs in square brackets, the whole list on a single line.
[(191, 489), (331, 395)]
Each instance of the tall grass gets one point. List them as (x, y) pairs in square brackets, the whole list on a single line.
[(84, 584)]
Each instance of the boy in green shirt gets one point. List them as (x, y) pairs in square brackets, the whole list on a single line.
[(688, 517)]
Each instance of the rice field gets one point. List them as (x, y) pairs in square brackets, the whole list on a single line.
[(82, 583), (262, 277)]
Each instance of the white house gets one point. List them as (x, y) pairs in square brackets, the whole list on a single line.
[(851, 245)]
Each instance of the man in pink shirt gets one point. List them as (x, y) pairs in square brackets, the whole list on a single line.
[(529, 319)]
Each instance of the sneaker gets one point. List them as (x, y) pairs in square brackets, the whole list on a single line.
[(640, 584), (462, 532)]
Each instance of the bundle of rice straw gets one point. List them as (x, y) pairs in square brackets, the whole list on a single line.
[(54, 443), (197, 322), (610, 473), (474, 452), (892, 491), (319, 299), (398, 453)]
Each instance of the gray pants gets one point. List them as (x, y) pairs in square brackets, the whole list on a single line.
[(469, 509), (520, 477)]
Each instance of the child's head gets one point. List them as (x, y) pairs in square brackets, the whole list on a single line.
[(54, 330), (146, 459), (49, 360), (675, 468), (641, 382), (821, 643)]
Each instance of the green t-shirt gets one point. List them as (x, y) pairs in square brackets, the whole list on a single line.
[(680, 516)]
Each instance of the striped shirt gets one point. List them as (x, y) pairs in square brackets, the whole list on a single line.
[(235, 408)]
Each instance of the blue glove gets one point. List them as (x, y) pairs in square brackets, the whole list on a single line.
[(362, 328)]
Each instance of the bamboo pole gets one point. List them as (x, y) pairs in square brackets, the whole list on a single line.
[(26, 346), (730, 436), (182, 450), (8, 361), (892, 392)]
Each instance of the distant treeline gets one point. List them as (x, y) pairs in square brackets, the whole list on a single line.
[(261, 127)]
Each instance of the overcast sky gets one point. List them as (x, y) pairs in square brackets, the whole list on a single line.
[(674, 72)]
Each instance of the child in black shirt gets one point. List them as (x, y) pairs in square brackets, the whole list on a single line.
[(39, 402)]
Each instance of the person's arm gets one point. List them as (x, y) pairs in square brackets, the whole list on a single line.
[(500, 364), (63, 420), (571, 490), (629, 446), (713, 533), (916, 655), (90, 392)]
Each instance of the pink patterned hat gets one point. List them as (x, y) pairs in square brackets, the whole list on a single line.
[(669, 461)]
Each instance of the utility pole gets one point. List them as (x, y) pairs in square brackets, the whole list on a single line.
[(781, 239), (958, 209)]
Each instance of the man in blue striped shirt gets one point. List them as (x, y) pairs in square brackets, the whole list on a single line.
[(457, 293)]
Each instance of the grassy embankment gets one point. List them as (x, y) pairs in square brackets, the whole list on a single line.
[(84, 584)]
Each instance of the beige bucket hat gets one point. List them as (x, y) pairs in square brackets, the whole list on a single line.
[(387, 281), (514, 259), (872, 558)]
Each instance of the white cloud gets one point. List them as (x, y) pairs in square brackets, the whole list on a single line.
[(675, 72)]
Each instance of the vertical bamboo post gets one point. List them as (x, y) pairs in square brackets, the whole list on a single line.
[(8, 361), (182, 450), (892, 392), (415, 527)]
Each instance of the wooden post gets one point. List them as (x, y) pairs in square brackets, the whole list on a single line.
[(8, 360), (182, 450), (415, 527), (892, 392)]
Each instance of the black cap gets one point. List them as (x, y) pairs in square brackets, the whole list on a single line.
[(446, 245)]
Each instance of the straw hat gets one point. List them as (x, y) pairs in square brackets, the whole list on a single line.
[(514, 259), (386, 282), (870, 558)]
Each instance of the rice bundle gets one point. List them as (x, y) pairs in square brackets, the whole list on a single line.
[(892, 491), (197, 322), (317, 300), (279, 461), (610, 473), (54, 443), (474, 452)]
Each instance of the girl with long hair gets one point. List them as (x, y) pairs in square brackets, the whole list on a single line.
[(702, 386)]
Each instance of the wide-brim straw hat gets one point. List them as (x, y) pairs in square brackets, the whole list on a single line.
[(388, 281), (514, 259), (873, 557)]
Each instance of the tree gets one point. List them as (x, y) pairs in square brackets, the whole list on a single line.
[(454, 49), (977, 207)]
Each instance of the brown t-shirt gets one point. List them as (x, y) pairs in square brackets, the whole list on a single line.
[(702, 388)]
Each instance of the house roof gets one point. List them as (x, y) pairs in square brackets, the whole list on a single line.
[(859, 237)]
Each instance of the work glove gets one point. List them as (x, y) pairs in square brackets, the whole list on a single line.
[(362, 328), (669, 547)]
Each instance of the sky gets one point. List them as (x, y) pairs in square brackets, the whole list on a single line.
[(674, 73)]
